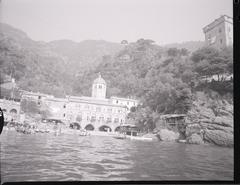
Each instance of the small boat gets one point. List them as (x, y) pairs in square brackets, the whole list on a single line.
[(182, 141), (140, 138), (119, 137), (84, 134)]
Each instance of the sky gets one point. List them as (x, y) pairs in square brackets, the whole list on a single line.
[(164, 21)]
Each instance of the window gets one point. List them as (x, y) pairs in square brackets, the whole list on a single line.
[(101, 118), (100, 86), (109, 120), (88, 117), (98, 109), (64, 106), (221, 41), (220, 30), (116, 120), (116, 101), (39, 97), (119, 111), (127, 103), (64, 115), (93, 118)]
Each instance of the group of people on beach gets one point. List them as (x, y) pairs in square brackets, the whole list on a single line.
[(35, 127)]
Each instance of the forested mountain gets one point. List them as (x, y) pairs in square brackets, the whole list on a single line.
[(31, 64), (47, 67), (85, 54)]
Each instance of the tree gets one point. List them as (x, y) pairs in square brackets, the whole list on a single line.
[(204, 53), (173, 52)]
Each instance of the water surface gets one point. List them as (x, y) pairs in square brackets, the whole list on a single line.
[(41, 157)]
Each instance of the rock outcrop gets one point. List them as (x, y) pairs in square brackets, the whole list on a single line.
[(219, 137), (167, 135), (195, 139), (211, 119)]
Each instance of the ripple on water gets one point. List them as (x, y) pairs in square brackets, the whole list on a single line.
[(68, 157)]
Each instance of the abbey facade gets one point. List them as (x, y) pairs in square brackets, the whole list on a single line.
[(92, 113)]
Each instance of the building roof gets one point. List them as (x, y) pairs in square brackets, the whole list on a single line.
[(173, 115), (119, 98), (218, 21), (36, 94), (92, 100), (99, 80), (56, 99)]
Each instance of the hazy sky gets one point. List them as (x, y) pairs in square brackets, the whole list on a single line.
[(164, 21)]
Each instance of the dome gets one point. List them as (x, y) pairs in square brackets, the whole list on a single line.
[(99, 80)]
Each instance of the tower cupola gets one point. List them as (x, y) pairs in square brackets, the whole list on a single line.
[(99, 88)]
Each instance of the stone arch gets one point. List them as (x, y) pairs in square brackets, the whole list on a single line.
[(104, 128), (117, 129), (76, 125), (89, 127), (13, 111)]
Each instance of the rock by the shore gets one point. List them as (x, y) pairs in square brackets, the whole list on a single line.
[(192, 128), (168, 135), (195, 139), (219, 137), (224, 121), (214, 116)]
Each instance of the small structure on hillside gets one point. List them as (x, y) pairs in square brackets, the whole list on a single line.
[(129, 129), (174, 122)]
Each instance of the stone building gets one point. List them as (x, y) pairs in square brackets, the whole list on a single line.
[(93, 113), (11, 110), (219, 33)]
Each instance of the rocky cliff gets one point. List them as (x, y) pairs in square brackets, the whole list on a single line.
[(210, 121)]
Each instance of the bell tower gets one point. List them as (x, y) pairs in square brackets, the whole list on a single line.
[(99, 88)]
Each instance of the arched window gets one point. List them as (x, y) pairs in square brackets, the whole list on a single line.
[(105, 128), (89, 127), (13, 111)]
